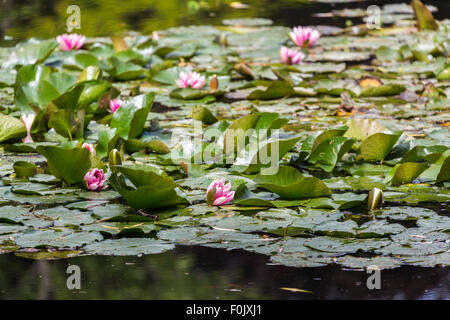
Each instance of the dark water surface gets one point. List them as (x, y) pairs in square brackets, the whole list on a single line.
[(23, 19), (204, 273)]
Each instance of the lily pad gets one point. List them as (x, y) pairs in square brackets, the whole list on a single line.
[(129, 247), (68, 164), (377, 146), (289, 183)]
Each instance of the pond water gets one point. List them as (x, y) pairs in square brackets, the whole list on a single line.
[(194, 272), (23, 19), (205, 273)]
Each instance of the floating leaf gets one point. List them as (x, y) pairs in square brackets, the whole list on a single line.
[(276, 90), (36, 84), (129, 247), (203, 114), (329, 152), (405, 172), (148, 195), (236, 135), (267, 156), (289, 183), (362, 128), (383, 90), (68, 164), (11, 128), (24, 169), (423, 16), (34, 53), (377, 146), (388, 53), (141, 175), (438, 171), (64, 238), (130, 118), (191, 94)]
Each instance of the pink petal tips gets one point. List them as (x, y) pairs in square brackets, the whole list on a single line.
[(95, 179), (28, 121), (304, 37), (115, 104), (90, 147), (291, 56), (69, 42), (190, 79), (218, 193)]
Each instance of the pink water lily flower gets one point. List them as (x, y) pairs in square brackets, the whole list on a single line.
[(115, 104), (291, 56), (28, 120), (90, 147), (191, 79), (95, 179), (69, 42), (304, 37), (218, 193)]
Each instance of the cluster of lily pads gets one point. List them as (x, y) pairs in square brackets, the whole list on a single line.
[(101, 152)]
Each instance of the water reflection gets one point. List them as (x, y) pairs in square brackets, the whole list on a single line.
[(204, 273), (23, 19)]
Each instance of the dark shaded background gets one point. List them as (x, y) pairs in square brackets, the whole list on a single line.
[(205, 273), (23, 19)]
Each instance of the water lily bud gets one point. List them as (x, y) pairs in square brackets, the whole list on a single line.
[(244, 70), (374, 199), (114, 159), (222, 40), (28, 121), (115, 104), (90, 147), (214, 83)]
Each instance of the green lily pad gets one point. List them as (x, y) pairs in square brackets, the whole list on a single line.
[(24, 169), (405, 172), (10, 214), (276, 90), (289, 183), (62, 238), (363, 263), (235, 135), (129, 247), (68, 164), (34, 53), (36, 84), (377, 146), (141, 175), (203, 114), (438, 171), (338, 245), (130, 118), (327, 154), (149, 197), (423, 16), (11, 128)]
